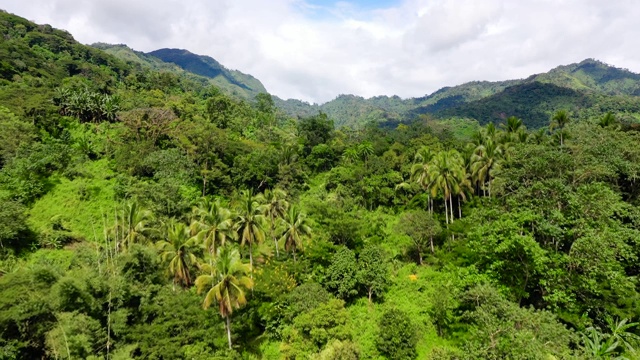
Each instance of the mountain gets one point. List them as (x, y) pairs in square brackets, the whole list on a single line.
[(583, 88), (232, 81), (185, 63)]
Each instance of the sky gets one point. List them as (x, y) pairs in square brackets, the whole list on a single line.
[(315, 50)]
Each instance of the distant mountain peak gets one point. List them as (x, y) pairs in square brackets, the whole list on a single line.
[(233, 81)]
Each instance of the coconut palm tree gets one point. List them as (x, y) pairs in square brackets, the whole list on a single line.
[(296, 228), (365, 150), (483, 163), (250, 222), (446, 174), (538, 136), (512, 125), (225, 281), (214, 224), (133, 225), (178, 246), (420, 171), (559, 120), (607, 120), (350, 155), (275, 205)]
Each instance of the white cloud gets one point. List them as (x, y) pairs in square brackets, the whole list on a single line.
[(314, 53)]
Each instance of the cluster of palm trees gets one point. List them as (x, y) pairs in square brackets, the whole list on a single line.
[(87, 105), (450, 174), (205, 244)]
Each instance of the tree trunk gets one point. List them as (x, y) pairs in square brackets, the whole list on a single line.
[(489, 187), (250, 261), (370, 293), (229, 331), (420, 256), (273, 234), (451, 207), (204, 179), (431, 242), (453, 237), (459, 209), (446, 212)]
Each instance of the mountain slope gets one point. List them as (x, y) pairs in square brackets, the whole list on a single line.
[(232, 81), (576, 87)]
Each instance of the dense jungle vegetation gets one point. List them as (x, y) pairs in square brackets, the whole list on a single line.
[(145, 214)]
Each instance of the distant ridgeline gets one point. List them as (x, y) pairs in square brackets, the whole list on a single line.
[(231, 82), (585, 89)]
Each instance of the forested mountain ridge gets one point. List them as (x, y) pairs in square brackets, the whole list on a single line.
[(232, 82), (577, 87), (583, 88), (210, 68), (147, 214)]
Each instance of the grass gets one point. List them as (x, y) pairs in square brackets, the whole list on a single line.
[(78, 205)]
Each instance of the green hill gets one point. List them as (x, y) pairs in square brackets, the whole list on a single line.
[(232, 81), (579, 88)]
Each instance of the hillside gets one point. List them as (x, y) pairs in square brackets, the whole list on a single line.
[(232, 81), (185, 63), (146, 214), (575, 87)]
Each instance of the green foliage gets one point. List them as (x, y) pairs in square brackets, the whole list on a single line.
[(75, 336), (421, 227), (342, 274), (398, 338), (114, 174), (312, 330), (315, 130), (372, 271), (503, 330)]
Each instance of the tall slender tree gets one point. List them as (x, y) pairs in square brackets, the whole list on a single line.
[(446, 175), (296, 228), (420, 171), (276, 206), (250, 222), (225, 280), (134, 224), (178, 248), (214, 224), (484, 161), (559, 120)]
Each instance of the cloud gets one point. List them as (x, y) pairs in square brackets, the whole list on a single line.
[(316, 51)]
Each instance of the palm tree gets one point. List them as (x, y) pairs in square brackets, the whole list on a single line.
[(214, 224), (350, 155), (512, 125), (420, 171), (483, 163), (607, 120), (275, 207), (225, 281), (490, 131), (296, 228), (446, 174), (463, 186), (513, 129), (538, 136), (178, 247), (134, 224), (559, 120), (250, 222), (365, 150)]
